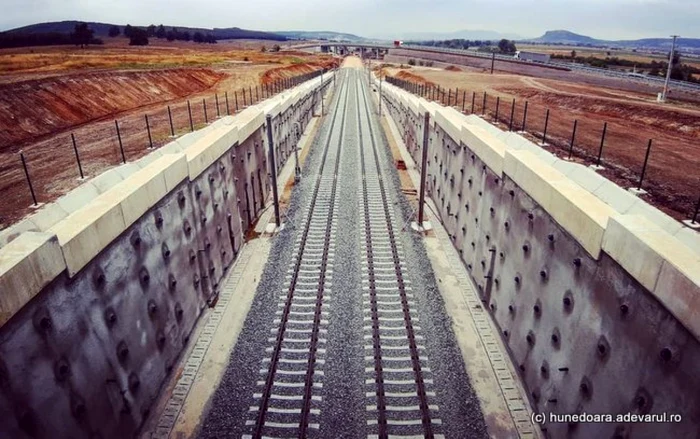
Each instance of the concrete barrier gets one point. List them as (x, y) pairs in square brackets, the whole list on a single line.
[(597, 293), (100, 291)]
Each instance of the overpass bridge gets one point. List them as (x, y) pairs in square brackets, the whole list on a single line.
[(346, 259)]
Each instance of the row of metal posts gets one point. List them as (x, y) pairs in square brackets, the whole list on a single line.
[(266, 90), (426, 89)]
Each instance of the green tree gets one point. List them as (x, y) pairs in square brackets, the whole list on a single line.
[(506, 46), (139, 37), (127, 30), (276, 48), (573, 54), (114, 31), (151, 30), (160, 33), (198, 37), (82, 35)]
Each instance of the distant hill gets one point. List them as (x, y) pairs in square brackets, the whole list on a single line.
[(102, 30), (569, 38), (321, 35), (465, 34)]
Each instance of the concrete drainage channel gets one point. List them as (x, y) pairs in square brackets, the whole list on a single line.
[(97, 304)]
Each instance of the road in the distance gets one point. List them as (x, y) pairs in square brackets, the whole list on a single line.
[(347, 336)]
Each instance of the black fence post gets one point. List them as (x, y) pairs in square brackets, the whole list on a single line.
[(498, 104), (119, 137), (250, 93), (644, 168), (235, 97), (694, 219), (602, 142), (170, 118), (245, 104), (512, 112), (456, 97), (29, 180), (525, 117), (216, 98), (189, 111), (257, 98), (449, 97), (573, 137), (493, 60), (464, 99), (483, 105), (473, 99), (546, 122), (77, 156), (148, 129), (228, 110), (204, 104)]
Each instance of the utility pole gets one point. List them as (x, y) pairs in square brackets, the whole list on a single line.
[(668, 70)]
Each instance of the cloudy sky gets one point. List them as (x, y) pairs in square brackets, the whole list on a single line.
[(605, 19)]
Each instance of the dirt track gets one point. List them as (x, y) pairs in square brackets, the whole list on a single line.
[(633, 117)]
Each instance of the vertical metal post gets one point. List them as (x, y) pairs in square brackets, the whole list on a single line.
[(148, 129), (602, 142), (121, 146), (189, 111), (273, 169), (449, 97), (245, 104), (694, 219), (525, 118), (512, 112), (573, 137), (644, 168), (464, 99), (456, 97), (668, 69), (493, 60), (546, 122), (216, 98), (257, 98), (250, 93), (77, 156), (473, 99), (235, 97), (170, 118), (228, 110), (29, 180), (498, 104), (483, 105), (380, 95), (424, 167), (204, 104)]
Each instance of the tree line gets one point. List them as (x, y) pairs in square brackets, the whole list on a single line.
[(139, 36), (503, 46)]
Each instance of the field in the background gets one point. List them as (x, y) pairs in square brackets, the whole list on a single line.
[(633, 117), (49, 93)]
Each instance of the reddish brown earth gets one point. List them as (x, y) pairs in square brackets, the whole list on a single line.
[(633, 117), (49, 93), (37, 107)]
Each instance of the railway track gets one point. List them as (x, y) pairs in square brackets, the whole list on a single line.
[(398, 379), (287, 404)]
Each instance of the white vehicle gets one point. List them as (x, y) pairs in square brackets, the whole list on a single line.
[(531, 56)]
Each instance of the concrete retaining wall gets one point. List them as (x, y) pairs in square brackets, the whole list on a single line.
[(100, 290), (600, 310)]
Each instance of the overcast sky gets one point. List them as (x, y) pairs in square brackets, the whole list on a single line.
[(604, 19)]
